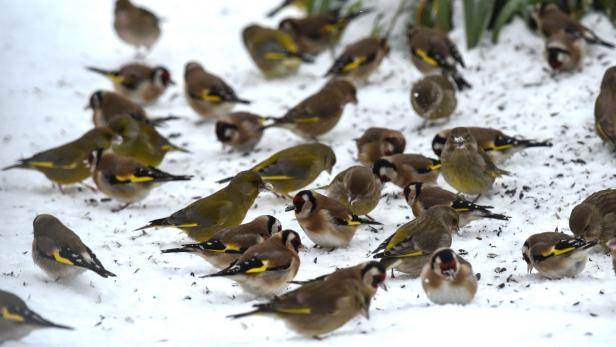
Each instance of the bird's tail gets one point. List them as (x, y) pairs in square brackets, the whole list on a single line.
[(98, 71), (158, 121), (460, 82), (495, 216), (22, 164), (366, 221), (278, 8), (245, 314), (592, 38), (183, 249), (156, 223), (534, 143), (225, 180), (238, 100), (355, 14)]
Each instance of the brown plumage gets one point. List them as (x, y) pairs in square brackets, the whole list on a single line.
[(358, 188), (605, 107), (612, 246), (379, 142), (595, 217), (433, 52), (240, 130), (402, 169), (448, 278), (552, 20), (267, 267), (326, 222), (360, 59), (563, 51), (135, 25), (227, 245), (208, 94), (138, 82), (107, 105), (320, 112), (125, 179)]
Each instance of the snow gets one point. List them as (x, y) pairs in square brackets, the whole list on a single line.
[(155, 300)]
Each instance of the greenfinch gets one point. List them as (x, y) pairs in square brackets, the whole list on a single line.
[(605, 108), (595, 217), (433, 97)]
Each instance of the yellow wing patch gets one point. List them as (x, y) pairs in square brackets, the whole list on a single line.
[(116, 78), (134, 179), (295, 310), (60, 259), (274, 56), (11, 316), (187, 225), (434, 167), (557, 252), (165, 148), (462, 209), (261, 268), (50, 165), (357, 62), (277, 178), (424, 56), (205, 96), (308, 120), (492, 146), (353, 222), (228, 247)]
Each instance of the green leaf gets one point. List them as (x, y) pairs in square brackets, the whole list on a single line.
[(477, 14), (511, 8), (443, 15)]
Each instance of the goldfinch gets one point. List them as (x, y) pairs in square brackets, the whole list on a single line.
[(448, 279), (228, 244), (240, 130), (605, 108), (496, 144), (612, 245), (316, 33), (595, 217), (225, 208), (358, 188), (375, 143), (552, 20), (208, 94), (135, 25), (300, 4), (266, 268), (138, 82), (125, 179), (432, 52), (359, 59), (17, 320), (326, 222), (320, 307), (67, 164), (409, 248), (273, 51), (465, 166), (556, 255), (421, 197), (564, 51), (433, 97), (59, 252), (320, 112), (141, 141), (402, 169), (295, 167)]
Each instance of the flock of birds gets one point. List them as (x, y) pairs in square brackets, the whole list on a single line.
[(122, 151)]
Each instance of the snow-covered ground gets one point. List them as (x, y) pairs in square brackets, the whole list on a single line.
[(156, 299)]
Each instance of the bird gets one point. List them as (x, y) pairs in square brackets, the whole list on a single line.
[(421, 197), (432, 52), (404, 168), (224, 208), (377, 142), (300, 4), (267, 267), (605, 108), (59, 252), (138, 82), (68, 163), (107, 105), (273, 51), (208, 94), (358, 188), (612, 246), (295, 167), (496, 144), (595, 217), (556, 255), (17, 320), (141, 141), (125, 179), (409, 248), (552, 20), (318, 32), (326, 222), (447, 278), (228, 244), (359, 59), (135, 25), (563, 51), (465, 166), (320, 307), (433, 97), (320, 112), (240, 130)]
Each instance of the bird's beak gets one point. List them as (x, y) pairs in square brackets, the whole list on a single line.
[(266, 187), (172, 82), (289, 208), (383, 286)]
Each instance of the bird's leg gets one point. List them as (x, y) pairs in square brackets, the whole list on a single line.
[(120, 208), (392, 273), (87, 186), (476, 198), (60, 188)]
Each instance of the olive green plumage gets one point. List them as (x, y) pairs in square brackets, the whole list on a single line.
[(226, 207), (595, 217), (433, 97), (68, 164), (605, 108)]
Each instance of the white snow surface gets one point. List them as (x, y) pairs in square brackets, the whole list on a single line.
[(156, 299)]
